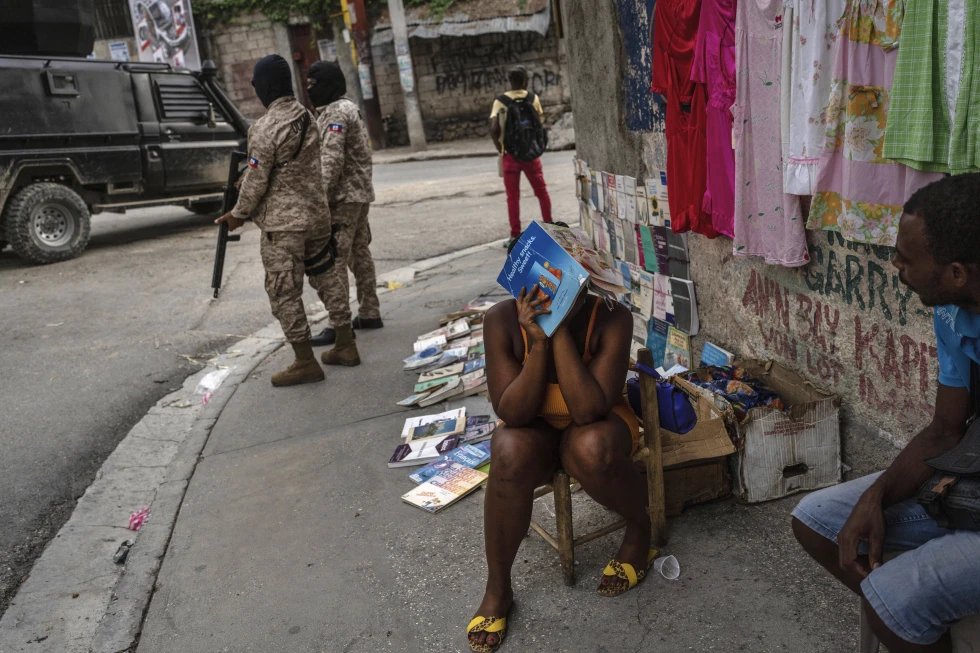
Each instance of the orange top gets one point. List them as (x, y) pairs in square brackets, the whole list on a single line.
[(555, 411)]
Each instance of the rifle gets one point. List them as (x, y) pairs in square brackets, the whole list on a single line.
[(227, 204)]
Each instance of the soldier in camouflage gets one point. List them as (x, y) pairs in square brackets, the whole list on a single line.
[(345, 155), (282, 192)]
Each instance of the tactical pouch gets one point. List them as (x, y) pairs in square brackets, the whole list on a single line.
[(952, 495)]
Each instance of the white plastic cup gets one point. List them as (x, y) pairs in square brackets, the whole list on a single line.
[(668, 567)]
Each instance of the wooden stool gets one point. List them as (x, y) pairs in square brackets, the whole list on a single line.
[(650, 455)]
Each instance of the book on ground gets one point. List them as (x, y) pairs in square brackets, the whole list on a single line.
[(711, 355), (437, 341), (422, 452), (423, 358), (476, 364), (411, 400), (438, 429), (430, 385), (446, 488), (421, 420), (441, 372), (446, 391), (468, 455)]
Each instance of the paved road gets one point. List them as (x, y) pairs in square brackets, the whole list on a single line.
[(86, 346)]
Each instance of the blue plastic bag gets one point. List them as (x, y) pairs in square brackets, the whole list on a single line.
[(676, 412)]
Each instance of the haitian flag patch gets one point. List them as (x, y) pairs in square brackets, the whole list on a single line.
[(335, 128), (253, 162)]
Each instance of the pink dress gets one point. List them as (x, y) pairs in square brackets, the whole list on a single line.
[(714, 66), (859, 192), (768, 222)]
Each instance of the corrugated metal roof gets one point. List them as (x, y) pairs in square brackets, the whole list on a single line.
[(470, 18)]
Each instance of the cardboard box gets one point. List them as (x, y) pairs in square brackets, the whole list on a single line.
[(708, 440), (688, 486), (781, 453)]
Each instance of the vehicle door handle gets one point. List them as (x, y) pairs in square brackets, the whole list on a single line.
[(153, 155)]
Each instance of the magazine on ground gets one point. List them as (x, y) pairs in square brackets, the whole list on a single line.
[(468, 455), (438, 429), (444, 489), (562, 262), (422, 452), (422, 420)]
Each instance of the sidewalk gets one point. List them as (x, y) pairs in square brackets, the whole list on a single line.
[(292, 535), (462, 149)]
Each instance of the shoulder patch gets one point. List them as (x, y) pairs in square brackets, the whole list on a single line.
[(335, 127), (253, 162)]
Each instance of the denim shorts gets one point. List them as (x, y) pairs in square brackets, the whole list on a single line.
[(926, 589)]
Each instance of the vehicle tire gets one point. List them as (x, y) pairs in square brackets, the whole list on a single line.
[(47, 222), (206, 208)]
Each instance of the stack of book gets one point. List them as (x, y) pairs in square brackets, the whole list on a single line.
[(451, 360), (453, 451)]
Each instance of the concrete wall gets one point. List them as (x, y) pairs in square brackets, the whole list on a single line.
[(235, 48), (458, 77), (844, 321)]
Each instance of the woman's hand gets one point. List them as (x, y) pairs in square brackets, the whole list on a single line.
[(528, 309)]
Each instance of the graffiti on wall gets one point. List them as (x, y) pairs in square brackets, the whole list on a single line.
[(893, 368), (483, 68)]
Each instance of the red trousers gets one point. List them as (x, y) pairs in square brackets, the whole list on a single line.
[(512, 184)]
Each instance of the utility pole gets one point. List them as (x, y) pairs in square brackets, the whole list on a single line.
[(361, 42), (413, 115), (345, 59)]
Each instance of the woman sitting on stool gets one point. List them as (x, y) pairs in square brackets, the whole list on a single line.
[(561, 399)]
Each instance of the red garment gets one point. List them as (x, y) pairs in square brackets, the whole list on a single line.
[(512, 184), (675, 33)]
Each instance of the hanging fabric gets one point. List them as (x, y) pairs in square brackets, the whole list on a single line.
[(714, 67), (813, 39), (675, 31), (935, 126), (860, 192), (767, 221)]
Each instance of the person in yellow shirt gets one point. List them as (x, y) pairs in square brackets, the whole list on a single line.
[(520, 139)]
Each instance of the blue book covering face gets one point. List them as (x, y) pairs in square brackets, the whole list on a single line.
[(537, 259)]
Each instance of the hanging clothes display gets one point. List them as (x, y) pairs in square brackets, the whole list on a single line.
[(768, 222), (714, 66), (858, 191), (935, 126), (675, 31), (813, 40)]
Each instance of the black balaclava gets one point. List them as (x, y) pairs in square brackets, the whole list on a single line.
[(272, 79), (329, 84)]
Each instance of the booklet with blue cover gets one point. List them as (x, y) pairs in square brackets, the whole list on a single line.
[(562, 262)]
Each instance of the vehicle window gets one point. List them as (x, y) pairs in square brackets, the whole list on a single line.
[(183, 99)]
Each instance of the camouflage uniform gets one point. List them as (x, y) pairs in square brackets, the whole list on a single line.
[(284, 197), (345, 154)]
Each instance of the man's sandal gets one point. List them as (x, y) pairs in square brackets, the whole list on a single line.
[(623, 571), (492, 626)]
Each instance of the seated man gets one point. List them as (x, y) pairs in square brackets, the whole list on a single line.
[(913, 599), (561, 400)]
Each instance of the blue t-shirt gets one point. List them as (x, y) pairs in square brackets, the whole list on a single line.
[(957, 341)]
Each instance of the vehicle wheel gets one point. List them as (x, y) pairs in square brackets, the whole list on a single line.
[(206, 208), (47, 223)]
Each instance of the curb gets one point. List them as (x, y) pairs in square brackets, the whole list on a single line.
[(422, 156), (76, 598)]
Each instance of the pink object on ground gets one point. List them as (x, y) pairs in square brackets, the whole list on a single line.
[(137, 519)]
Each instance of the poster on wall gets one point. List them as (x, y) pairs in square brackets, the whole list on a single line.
[(118, 51), (165, 32)]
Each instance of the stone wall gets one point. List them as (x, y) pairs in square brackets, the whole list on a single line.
[(844, 321), (458, 77), (235, 48)]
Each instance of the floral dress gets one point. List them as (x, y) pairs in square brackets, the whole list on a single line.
[(858, 191), (768, 222)]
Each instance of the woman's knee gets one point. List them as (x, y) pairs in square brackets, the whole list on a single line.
[(513, 458), (592, 451)]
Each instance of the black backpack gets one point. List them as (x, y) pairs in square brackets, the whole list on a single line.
[(524, 136)]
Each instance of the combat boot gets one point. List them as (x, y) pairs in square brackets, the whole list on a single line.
[(304, 369), (345, 351)]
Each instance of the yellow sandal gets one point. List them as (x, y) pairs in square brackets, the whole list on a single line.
[(491, 625), (624, 571)]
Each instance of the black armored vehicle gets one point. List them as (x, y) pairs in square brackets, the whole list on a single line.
[(82, 136)]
